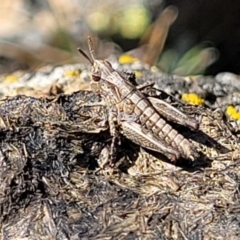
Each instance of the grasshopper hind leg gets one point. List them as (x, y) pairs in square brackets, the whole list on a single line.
[(146, 139)]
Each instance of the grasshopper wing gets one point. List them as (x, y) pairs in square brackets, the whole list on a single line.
[(173, 114)]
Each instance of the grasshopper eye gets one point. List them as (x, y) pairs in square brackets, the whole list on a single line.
[(96, 78)]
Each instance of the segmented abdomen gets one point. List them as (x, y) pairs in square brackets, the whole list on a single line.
[(151, 119)]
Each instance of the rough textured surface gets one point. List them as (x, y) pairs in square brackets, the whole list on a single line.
[(50, 188)]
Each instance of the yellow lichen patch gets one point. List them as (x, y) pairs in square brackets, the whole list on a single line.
[(233, 113), (10, 79), (192, 98), (138, 73), (127, 59), (72, 73), (154, 69)]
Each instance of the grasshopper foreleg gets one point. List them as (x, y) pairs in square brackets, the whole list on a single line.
[(112, 121)]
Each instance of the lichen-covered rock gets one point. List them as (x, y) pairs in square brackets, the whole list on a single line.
[(52, 187)]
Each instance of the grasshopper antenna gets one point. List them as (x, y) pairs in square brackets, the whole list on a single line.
[(91, 48), (85, 55)]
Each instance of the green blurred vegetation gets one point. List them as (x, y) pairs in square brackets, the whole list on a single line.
[(49, 31)]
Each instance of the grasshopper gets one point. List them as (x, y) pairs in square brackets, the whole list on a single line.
[(139, 118)]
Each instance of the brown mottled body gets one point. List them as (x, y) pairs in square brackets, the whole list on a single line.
[(139, 117), (133, 102)]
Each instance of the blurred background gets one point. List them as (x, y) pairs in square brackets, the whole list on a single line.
[(181, 37)]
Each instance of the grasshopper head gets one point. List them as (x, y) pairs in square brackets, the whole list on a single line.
[(100, 68)]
